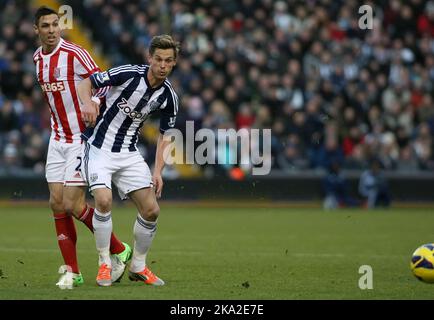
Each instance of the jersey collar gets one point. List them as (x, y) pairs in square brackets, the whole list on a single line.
[(54, 50)]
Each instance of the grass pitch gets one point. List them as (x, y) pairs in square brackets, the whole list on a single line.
[(230, 253)]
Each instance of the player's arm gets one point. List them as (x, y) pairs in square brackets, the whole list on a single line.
[(85, 68), (157, 179), (90, 108), (97, 81), (167, 122)]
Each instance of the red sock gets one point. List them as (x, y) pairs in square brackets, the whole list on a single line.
[(67, 239), (86, 217)]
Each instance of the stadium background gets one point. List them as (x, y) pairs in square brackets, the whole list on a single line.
[(328, 90)]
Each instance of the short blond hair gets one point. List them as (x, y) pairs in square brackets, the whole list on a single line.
[(164, 41)]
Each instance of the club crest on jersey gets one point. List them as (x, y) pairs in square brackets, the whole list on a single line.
[(93, 177), (152, 106), (56, 73)]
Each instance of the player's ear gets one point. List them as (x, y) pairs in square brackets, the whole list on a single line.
[(35, 28), (175, 57), (148, 57)]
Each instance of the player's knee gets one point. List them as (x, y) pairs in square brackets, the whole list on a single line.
[(56, 204), (151, 213), (104, 204), (69, 206)]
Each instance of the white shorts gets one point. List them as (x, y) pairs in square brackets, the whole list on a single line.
[(64, 164), (128, 171)]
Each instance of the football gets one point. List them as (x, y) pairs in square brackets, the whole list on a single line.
[(422, 263)]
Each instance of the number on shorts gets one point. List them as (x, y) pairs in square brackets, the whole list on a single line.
[(78, 168)]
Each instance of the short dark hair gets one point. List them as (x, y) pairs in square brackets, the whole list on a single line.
[(43, 11), (164, 41)]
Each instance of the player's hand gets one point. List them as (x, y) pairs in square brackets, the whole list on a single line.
[(89, 113), (158, 184)]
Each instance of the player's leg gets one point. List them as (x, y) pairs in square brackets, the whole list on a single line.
[(120, 252), (372, 198), (135, 181), (65, 228), (102, 222), (74, 201), (74, 195), (64, 224), (103, 226), (98, 169), (145, 228), (145, 225)]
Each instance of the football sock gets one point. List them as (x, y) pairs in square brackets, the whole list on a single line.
[(102, 227), (144, 233), (67, 239), (86, 217)]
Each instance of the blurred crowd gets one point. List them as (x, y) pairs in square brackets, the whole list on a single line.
[(330, 91), (24, 115)]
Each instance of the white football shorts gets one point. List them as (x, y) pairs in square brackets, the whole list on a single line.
[(64, 164), (128, 171)]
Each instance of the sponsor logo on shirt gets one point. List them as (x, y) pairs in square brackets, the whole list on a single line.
[(53, 86), (136, 115)]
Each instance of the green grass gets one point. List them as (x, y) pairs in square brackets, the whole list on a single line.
[(209, 253)]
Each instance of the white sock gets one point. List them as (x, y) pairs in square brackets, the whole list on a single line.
[(102, 226), (144, 233)]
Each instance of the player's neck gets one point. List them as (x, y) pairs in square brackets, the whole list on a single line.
[(47, 49), (153, 82)]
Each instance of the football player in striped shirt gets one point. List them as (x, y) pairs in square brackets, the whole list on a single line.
[(60, 65), (110, 153)]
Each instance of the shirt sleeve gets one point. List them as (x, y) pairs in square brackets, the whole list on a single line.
[(101, 92), (168, 114), (84, 65), (114, 76)]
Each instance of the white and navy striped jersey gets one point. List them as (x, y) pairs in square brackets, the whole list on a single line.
[(129, 102)]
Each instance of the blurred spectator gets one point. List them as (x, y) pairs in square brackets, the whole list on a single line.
[(11, 158), (8, 118), (291, 157), (407, 160), (423, 146), (357, 159), (373, 186), (425, 22), (245, 117), (353, 139), (329, 153), (335, 187), (34, 154)]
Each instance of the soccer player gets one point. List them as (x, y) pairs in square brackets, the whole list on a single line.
[(110, 153), (60, 65)]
